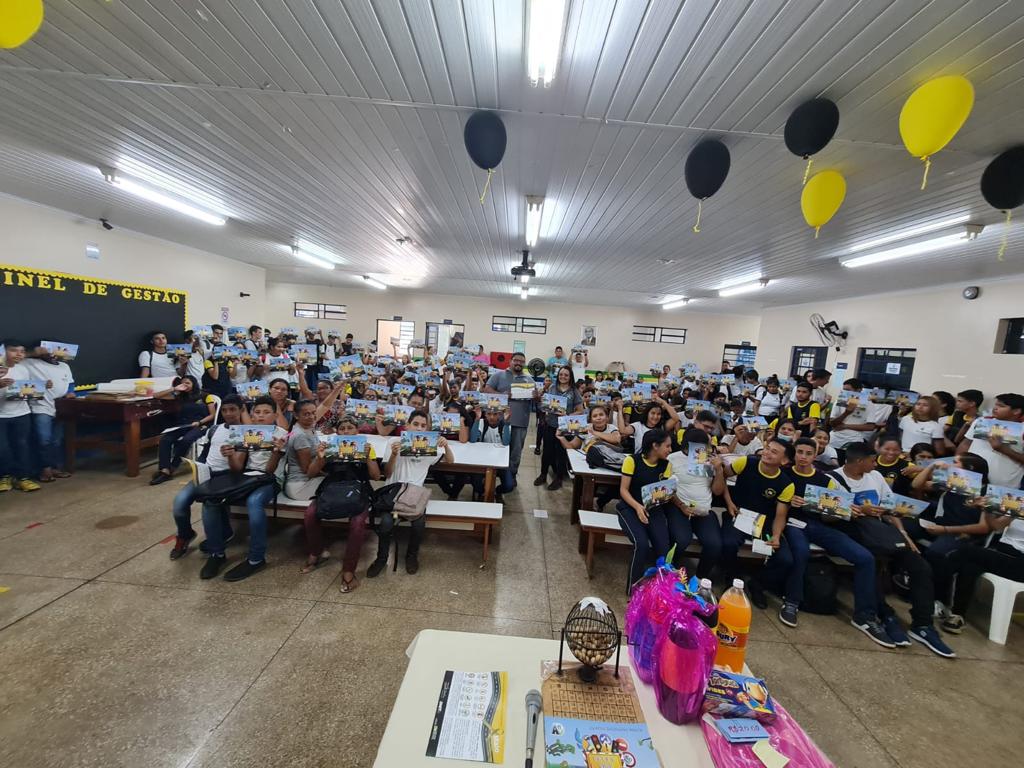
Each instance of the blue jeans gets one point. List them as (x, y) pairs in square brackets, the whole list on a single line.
[(785, 569), (49, 434), (216, 523), (14, 455), (708, 533)]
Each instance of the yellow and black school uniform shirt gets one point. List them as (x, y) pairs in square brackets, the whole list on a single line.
[(797, 412), (642, 472), (756, 490), (801, 481), (952, 425), (893, 474)]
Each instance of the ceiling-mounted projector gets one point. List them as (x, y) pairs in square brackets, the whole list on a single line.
[(524, 269)]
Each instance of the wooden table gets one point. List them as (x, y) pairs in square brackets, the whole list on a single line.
[(129, 413), (433, 651), (470, 458), (585, 478)]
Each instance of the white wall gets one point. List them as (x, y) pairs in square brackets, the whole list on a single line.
[(954, 338), (45, 238), (706, 333)]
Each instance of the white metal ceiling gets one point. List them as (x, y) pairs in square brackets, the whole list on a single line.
[(341, 122)]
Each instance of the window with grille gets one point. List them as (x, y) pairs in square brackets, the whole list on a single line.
[(655, 333), (514, 324), (394, 336), (886, 367), (320, 311)]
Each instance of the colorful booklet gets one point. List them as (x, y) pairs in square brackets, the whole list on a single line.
[(698, 460), (374, 370), (902, 398), (26, 389), (571, 743), (363, 411), (397, 415), (903, 506), (446, 423), (641, 393), (178, 352), (303, 354), (472, 349), (252, 437), (289, 333), (572, 425), (471, 397), (345, 448), (696, 406), (418, 443), (1010, 432), (428, 380), (250, 390), (461, 363), (630, 377), (844, 398), (203, 331), (554, 404), (605, 400), (1000, 500), (494, 402), (661, 492), (281, 363), (349, 365), (238, 333), (522, 390), (875, 394), (758, 423), (403, 390), (690, 369), (247, 356), (828, 502), (382, 390), (221, 353), (725, 378), (60, 350), (955, 480)]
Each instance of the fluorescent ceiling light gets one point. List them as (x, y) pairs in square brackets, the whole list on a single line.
[(546, 20), (914, 249), (374, 283), (676, 304), (315, 250), (751, 277), (736, 290), (906, 234), (309, 258), (155, 196), (524, 279), (524, 293), (534, 213)]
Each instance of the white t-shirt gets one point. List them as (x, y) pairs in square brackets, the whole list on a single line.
[(735, 448), (871, 487), (915, 432), (214, 460), (689, 488), (258, 460), (639, 430), (412, 469), (195, 366), (828, 457), (269, 375), (10, 409), (1013, 535), (61, 376), (769, 403), (1002, 470), (160, 365)]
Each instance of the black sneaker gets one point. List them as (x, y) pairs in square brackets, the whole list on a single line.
[(788, 613), (412, 564), (376, 568), (244, 570), (205, 548), (536, 451), (954, 624), (757, 595), (555, 484), (895, 631), (929, 638), (541, 479), (212, 566), (873, 629), (180, 548)]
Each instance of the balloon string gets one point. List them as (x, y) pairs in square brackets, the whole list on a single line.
[(487, 185), (807, 170), (700, 208), (927, 167), (1006, 232), (816, 231)]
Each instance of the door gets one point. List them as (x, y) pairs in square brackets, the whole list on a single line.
[(886, 367), (393, 336), (739, 354), (806, 358), (441, 336)]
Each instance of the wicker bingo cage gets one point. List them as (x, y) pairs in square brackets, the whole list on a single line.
[(593, 635)]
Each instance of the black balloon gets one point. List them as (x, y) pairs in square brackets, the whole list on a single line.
[(811, 126), (707, 165), (485, 139), (1002, 183)]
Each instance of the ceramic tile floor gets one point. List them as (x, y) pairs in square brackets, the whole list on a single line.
[(112, 655)]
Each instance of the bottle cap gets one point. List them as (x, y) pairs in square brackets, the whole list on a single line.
[(738, 583), (705, 583)]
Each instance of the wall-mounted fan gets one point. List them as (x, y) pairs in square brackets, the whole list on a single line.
[(536, 367), (829, 332)]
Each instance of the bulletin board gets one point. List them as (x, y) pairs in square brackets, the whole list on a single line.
[(109, 320)]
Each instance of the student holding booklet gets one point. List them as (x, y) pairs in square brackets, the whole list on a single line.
[(695, 491), (15, 421), (554, 457), (1005, 459), (48, 362)]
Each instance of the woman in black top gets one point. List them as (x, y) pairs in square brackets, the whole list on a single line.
[(196, 412), (554, 457)]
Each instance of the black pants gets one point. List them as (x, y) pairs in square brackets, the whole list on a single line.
[(1000, 559), (553, 454), (385, 530), (174, 446), (922, 588), (541, 419)]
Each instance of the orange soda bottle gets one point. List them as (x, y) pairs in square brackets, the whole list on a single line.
[(734, 613)]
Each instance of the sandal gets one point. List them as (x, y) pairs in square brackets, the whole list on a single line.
[(309, 567), (347, 585)]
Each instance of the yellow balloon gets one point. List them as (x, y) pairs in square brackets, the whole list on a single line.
[(19, 20), (821, 198), (933, 114)]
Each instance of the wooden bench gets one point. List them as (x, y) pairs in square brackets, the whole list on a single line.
[(471, 516), (597, 528)]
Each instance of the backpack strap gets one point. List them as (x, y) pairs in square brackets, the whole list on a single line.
[(839, 479), (207, 440)]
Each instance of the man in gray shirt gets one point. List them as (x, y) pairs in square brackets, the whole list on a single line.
[(521, 409)]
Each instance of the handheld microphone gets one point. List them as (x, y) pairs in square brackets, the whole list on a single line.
[(534, 705)]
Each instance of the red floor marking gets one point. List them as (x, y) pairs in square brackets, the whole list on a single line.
[(32, 525), (168, 540)]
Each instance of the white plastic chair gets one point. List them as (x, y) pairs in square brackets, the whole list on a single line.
[(1004, 594)]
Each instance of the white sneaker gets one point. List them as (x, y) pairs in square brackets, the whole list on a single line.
[(941, 611)]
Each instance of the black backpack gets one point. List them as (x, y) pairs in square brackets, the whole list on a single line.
[(342, 494), (820, 586)]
